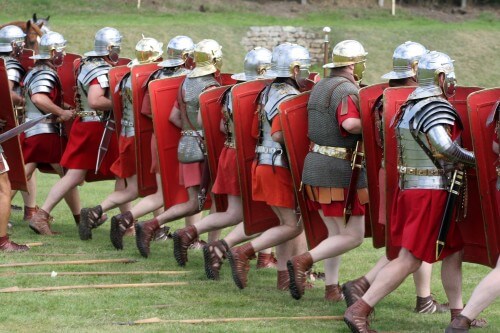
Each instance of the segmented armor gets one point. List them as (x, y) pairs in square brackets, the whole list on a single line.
[(127, 121), (90, 69), (227, 117), (15, 71), (268, 151), (426, 151), (324, 130), (41, 79)]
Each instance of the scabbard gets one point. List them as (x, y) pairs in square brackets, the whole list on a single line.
[(357, 165), (109, 130), (446, 221)]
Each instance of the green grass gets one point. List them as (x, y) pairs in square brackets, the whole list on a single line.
[(101, 310), (474, 46)]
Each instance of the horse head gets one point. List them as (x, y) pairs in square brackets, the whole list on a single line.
[(42, 22), (33, 33)]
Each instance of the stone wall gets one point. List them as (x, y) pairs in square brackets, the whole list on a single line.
[(269, 37)]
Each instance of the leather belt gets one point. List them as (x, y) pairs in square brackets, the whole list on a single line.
[(91, 113), (229, 144), (404, 170), (192, 133), (337, 152), (128, 123), (268, 150)]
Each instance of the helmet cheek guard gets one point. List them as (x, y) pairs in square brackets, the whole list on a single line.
[(57, 57), (359, 69), (449, 85), (114, 53)]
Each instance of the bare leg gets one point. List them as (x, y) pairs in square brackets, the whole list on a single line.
[(71, 179), (391, 276), (372, 274), (121, 188), (484, 294), (122, 195), (184, 209), (451, 276), (5, 190), (150, 203), (72, 197), (288, 230), (217, 221), (29, 198), (349, 237), (422, 279), (237, 236)]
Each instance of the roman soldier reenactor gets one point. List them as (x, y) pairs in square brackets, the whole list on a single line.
[(191, 150), (271, 178), (94, 125), (147, 50), (404, 74), (428, 132), (256, 63)]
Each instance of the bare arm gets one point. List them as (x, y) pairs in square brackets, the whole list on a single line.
[(175, 117), (278, 137), (97, 98), (352, 125), (17, 99), (44, 103), (496, 148)]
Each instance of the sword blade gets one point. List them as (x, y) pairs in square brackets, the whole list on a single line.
[(21, 128), (103, 146), (353, 182)]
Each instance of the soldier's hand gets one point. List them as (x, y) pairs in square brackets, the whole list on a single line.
[(66, 115)]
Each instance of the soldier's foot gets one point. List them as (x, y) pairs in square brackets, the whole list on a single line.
[(144, 233), (90, 218), (266, 260), (460, 324), (29, 212), (333, 293), (6, 245), (213, 254), (356, 317), (428, 305), (183, 238), (297, 270), (354, 290), (120, 225), (239, 259), (40, 223)]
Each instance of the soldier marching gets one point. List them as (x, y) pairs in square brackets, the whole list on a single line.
[(417, 118)]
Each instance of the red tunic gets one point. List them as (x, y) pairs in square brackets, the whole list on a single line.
[(336, 208), (275, 187), (125, 164), (418, 214), (227, 181), (190, 174), (45, 148), (416, 219), (83, 146)]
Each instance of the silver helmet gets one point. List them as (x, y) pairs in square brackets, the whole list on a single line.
[(256, 64), (107, 41), (349, 52), (51, 46), (207, 57), (147, 50), (179, 49), (430, 66), (405, 60), (9, 35), (285, 57)]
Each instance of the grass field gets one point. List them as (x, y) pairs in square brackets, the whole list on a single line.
[(474, 46)]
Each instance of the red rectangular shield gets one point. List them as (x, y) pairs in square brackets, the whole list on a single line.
[(368, 96), (211, 115), (393, 99), (473, 233), (12, 148), (25, 60), (481, 105), (123, 61), (143, 126), (66, 73), (294, 123), (257, 215), (163, 94)]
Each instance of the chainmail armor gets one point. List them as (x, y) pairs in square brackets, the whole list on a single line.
[(321, 170), (191, 90)]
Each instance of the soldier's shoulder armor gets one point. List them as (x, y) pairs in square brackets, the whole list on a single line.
[(15, 71), (94, 68), (433, 111), (123, 81), (41, 79), (274, 94)]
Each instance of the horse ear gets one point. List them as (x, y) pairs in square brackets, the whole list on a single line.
[(34, 17), (28, 25), (47, 18)]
